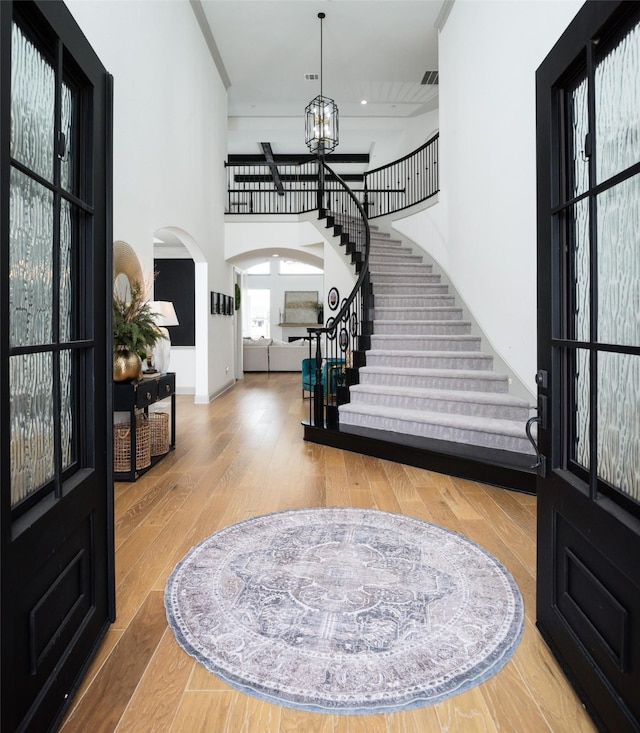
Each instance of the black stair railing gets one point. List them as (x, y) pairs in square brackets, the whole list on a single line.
[(261, 187), (403, 183), (339, 346)]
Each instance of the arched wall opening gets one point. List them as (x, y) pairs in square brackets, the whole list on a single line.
[(189, 362)]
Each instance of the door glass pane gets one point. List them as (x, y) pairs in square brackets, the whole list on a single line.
[(66, 408), (581, 377), (619, 264), (30, 262), (31, 415), (578, 127), (68, 162), (66, 272), (579, 271), (619, 421), (617, 90), (32, 106)]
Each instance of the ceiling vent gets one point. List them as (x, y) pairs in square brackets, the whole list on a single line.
[(311, 77), (430, 77)]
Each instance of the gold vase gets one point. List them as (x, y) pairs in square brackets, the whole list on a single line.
[(127, 365)]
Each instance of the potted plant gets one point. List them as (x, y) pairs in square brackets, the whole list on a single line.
[(134, 333)]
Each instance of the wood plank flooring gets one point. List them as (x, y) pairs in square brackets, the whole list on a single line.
[(243, 455)]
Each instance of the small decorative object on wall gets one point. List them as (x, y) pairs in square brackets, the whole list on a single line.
[(354, 324), (344, 339), (332, 334), (333, 298), (300, 306), (221, 304)]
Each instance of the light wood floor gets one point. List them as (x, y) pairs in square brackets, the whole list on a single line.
[(244, 455)]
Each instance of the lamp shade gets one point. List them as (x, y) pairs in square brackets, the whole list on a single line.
[(164, 313)]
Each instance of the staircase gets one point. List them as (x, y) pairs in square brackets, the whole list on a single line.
[(426, 382)]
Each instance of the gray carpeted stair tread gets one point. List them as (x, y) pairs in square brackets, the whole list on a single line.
[(433, 359), (467, 402), (400, 327), (396, 289), (497, 398), (417, 313), (491, 432), (425, 342), (456, 379)]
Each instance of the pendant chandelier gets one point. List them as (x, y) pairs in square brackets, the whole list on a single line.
[(321, 121)]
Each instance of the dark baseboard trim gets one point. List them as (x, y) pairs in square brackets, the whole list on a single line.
[(514, 477)]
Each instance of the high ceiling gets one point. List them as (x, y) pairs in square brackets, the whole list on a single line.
[(378, 50)]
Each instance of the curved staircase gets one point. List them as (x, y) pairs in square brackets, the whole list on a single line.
[(426, 382)]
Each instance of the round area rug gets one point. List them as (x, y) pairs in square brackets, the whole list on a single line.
[(344, 610)]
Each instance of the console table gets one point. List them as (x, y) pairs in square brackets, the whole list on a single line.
[(133, 397)]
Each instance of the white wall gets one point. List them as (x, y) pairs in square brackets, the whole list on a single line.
[(489, 52), (170, 127), (300, 238)]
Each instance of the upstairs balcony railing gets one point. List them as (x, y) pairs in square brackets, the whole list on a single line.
[(263, 187), (404, 182)]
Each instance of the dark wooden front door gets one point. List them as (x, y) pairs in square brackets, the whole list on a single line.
[(56, 493), (588, 92)]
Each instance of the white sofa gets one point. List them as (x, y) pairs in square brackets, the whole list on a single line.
[(273, 355), (255, 355), (285, 357)]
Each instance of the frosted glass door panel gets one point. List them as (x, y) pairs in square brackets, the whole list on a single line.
[(32, 436), (30, 262), (32, 106), (582, 421), (580, 275), (66, 408), (68, 160), (619, 264), (578, 129), (617, 91), (619, 422)]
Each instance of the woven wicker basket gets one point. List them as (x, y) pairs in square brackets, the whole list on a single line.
[(122, 445), (159, 424)]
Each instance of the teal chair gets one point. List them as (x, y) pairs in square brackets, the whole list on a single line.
[(309, 376), (328, 367)]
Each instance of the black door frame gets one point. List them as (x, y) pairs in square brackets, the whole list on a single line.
[(588, 587), (53, 518)]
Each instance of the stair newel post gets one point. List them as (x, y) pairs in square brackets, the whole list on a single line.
[(321, 182), (318, 391)]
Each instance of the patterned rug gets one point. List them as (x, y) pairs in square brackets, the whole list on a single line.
[(344, 610)]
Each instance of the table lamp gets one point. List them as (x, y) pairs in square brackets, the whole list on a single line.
[(165, 315)]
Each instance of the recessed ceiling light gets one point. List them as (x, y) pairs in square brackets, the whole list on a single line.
[(275, 255), (363, 101)]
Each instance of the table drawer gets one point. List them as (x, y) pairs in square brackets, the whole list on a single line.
[(166, 385), (146, 392)]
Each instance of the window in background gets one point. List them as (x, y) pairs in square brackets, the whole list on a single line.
[(292, 267), (262, 268), (259, 313)]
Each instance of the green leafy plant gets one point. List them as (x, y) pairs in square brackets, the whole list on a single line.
[(133, 322)]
